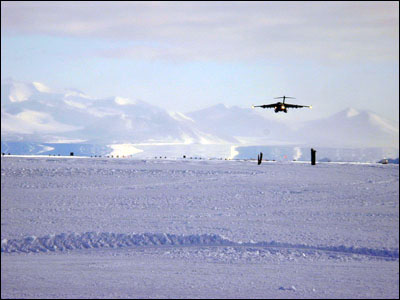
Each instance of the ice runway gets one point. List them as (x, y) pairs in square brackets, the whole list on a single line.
[(118, 228)]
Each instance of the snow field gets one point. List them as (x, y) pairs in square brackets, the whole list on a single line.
[(108, 228)]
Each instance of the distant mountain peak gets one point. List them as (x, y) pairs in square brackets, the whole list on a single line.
[(219, 106), (41, 87), (351, 112), (19, 91), (124, 101)]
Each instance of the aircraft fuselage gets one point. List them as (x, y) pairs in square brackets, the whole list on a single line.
[(279, 106)]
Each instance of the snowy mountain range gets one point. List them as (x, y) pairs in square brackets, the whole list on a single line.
[(348, 128), (33, 112)]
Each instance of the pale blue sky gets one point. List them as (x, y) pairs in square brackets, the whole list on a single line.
[(191, 55)]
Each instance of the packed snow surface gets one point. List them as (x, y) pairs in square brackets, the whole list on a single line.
[(124, 228)]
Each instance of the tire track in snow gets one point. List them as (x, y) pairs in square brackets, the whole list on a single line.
[(90, 240)]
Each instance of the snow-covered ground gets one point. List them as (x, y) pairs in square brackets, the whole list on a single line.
[(123, 228)]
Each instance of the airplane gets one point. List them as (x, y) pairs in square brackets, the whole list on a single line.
[(281, 106)]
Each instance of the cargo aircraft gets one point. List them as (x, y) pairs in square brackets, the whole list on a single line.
[(281, 106)]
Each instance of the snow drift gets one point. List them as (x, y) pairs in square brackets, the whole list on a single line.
[(88, 240)]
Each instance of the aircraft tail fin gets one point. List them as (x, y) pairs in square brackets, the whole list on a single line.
[(284, 97)]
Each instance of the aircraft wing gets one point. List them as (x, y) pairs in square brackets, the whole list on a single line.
[(296, 106), (265, 105)]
